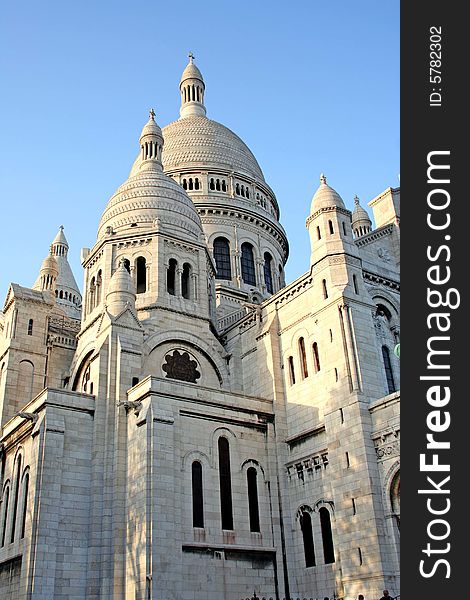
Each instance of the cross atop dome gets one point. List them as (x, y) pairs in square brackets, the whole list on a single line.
[(191, 58), (356, 200), (152, 114), (322, 178)]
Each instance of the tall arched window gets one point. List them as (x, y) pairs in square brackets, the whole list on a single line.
[(30, 327), (25, 383), (307, 534), (171, 277), (316, 357), (248, 264), (99, 284), (225, 484), (327, 536), (395, 498), (15, 498), (355, 285), (268, 275), (290, 362), (303, 358), (253, 505), (388, 369), (141, 275), (222, 258), (25, 486), (198, 500), (325, 289), (185, 275), (5, 507), (330, 226)]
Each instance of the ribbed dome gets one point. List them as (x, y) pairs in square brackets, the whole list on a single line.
[(146, 197), (199, 142), (325, 196)]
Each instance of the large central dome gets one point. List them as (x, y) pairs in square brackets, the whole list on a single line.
[(196, 141)]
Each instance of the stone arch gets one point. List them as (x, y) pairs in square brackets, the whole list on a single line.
[(193, 342), (193, 455), (80, 371), (251, 462)]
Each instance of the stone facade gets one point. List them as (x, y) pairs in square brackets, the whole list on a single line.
[(193, 428)]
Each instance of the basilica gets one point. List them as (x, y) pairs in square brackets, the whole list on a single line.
[(189, 425)]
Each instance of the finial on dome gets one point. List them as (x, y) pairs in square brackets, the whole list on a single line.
[(152, 114), (356, 200), (191, 58), (322, 178)]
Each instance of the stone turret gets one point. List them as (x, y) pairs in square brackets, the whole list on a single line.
[(192, 89)]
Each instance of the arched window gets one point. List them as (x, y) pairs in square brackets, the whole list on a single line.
[(248, 264), (388, 369), (253, 505), (316, 357), (190, 183), (327, 536), (224, 185), (237, 189), (30, 327), (196, 184), (225, 484), (222, 258), (355, 284), (268, 276), (141, 275), (5, 507), (198, 500), (290, 362), (217, 185), (25, 486), (212, 184), (185, 184), (185, 275), (171, 277), (99, 285), (318, 232), (344, 228), (24, 387), (330, 226), (395, 498), (303, 358), (16, 493), (247, 193), (307, 534), (243, 191), (325, 289)]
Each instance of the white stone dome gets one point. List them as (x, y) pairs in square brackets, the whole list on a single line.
[(151, 199), (325, 197), (199, 142)]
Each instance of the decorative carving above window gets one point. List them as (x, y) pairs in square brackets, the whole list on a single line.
[(181, 366)]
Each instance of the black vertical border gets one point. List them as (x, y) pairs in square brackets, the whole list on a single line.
[(425, 129)]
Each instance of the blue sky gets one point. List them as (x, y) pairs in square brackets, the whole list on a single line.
[(310, 86)]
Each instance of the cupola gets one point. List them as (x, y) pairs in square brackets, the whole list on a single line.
[(192, 89)]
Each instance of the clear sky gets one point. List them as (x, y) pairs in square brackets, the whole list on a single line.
[(311, 86)]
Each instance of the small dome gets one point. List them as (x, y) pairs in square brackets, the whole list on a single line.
[(60, 238), (325, 196), (121, 282), (361, 222), (50, 265), (151, 128), (191, 72)]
